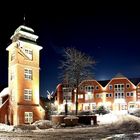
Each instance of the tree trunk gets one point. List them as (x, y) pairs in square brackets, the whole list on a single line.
[(77, 90)]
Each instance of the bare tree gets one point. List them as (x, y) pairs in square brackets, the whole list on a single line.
[(76, 67)]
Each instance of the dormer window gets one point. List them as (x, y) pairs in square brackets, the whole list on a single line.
[(89, 88), (97, 87), (128, 85), (110, 87)]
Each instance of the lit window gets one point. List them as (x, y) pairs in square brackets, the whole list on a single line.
[(28, 74), (80, 96), (28, 117), (93, 106), (29, 53), (27, 94), (88, 96)]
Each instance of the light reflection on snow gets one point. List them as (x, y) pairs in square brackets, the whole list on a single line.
[(107, 118)]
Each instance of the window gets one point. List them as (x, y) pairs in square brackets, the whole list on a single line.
[(97, 87), (110, 87), (80, 96), (27, 94), (29, 53), (88, 96), (89, 88), (128, 85), (66, 89), (81, 88), (108, 95), (93, 106), (119, 95), (130, 94), (119, 87), (98, 95), (13, 56), (28, 74), (28, 117), (67, 96)]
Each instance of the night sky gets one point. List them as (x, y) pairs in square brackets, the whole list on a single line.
[(113, 40)]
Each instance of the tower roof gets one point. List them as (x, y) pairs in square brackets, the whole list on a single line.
[(24, 32), (24, 28)]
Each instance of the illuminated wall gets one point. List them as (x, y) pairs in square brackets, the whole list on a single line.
[(24, 58), (118, 94)]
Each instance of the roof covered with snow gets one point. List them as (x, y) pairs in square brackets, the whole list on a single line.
[(4, 92)]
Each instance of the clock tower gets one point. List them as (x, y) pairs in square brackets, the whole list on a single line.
[(23, 77)]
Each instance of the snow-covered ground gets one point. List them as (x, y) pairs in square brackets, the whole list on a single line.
[(107, 118), (7, 128), (111, 126)]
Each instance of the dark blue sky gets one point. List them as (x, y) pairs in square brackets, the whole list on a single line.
[(113, 40)]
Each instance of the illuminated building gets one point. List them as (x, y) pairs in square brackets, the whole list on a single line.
[(20, 102), (119, 93)]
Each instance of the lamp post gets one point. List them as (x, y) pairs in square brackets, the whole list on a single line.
[(66, 108)]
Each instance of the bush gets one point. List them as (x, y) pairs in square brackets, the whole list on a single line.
[(102, 110)]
